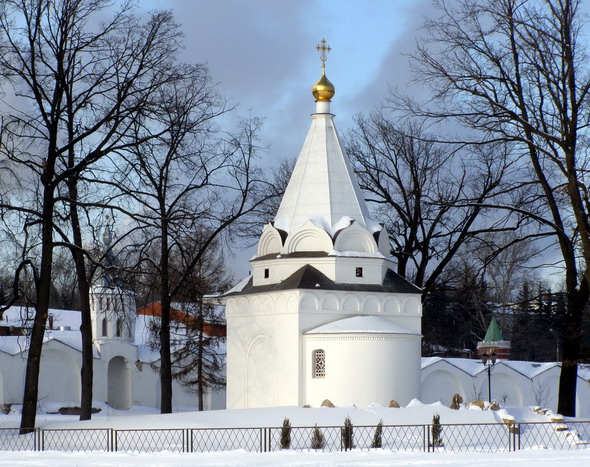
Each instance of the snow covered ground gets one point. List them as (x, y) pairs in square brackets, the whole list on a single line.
[(415, 413), (532, 458)]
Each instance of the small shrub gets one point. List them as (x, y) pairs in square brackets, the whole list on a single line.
[(347, 435), (393, 404), (327, 403), (378, 436), (437, 441), (317, 438), (285, 440)]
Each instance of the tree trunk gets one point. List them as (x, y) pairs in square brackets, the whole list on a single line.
[(577, 302), (31, 392), (86, 320), (165, 357), (200, 350)]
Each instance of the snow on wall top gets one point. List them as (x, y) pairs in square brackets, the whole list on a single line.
[(362, 325)]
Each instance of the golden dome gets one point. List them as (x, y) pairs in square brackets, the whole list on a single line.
[(323, 90)]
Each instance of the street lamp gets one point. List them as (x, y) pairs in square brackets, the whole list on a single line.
[(489, 360)]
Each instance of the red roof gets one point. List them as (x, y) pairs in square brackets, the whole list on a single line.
[(155, 309)]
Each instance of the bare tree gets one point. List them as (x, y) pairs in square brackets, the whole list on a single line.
[(430, 199), (192, 181), (517, 71), (79, 91), (198, 330)]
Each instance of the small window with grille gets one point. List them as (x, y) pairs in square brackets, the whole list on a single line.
[(319, 363), (359, 272)]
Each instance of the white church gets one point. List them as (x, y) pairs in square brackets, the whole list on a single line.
[(322, 316), (325, 316)]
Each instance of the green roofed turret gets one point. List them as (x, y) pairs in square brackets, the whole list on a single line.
[(494, 333)]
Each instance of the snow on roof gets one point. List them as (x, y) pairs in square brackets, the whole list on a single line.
[(474, 366), (14, 345), (239, 286), (19, 315), (357, 254), (362, 324)]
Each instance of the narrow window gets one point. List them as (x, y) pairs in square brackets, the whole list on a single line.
[(105, 325), (266, 273), (359, 272), (319, 363), (50, 321), (119, 327)]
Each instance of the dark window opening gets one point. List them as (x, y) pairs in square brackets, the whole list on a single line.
[(359, 272), (266, 273)]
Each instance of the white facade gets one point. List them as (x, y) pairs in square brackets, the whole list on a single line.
[(322, 293), (123, 376), (513, 383)]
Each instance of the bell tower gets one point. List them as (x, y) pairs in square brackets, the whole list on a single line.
[(112, 306)]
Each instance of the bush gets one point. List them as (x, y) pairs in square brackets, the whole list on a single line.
[(347, 435), (437, 441), (317, 439), (378, 436), (285, 441)]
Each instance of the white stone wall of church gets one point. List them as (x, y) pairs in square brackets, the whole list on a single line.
[(262, 350), (363, 368), (341, 269), (324, 306)]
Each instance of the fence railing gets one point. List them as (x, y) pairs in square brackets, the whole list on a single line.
[(489, 437)]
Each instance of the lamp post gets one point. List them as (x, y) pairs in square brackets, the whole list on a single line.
[(489, 360)]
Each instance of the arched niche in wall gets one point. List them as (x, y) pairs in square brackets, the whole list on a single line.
[(505, 389), (351, 303), (267, 305), (281, 305), (255, 305), (371, 305), (330, 302), (270, 241), (243, 305), (308, 237), (119, 384), (392, 305), (308, 302), (440, 385), (412, 306), (355, 238), (262, 372)]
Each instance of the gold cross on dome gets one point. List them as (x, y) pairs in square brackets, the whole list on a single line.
[(323, 47)]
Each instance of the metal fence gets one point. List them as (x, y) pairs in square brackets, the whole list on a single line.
[(490, 437)]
